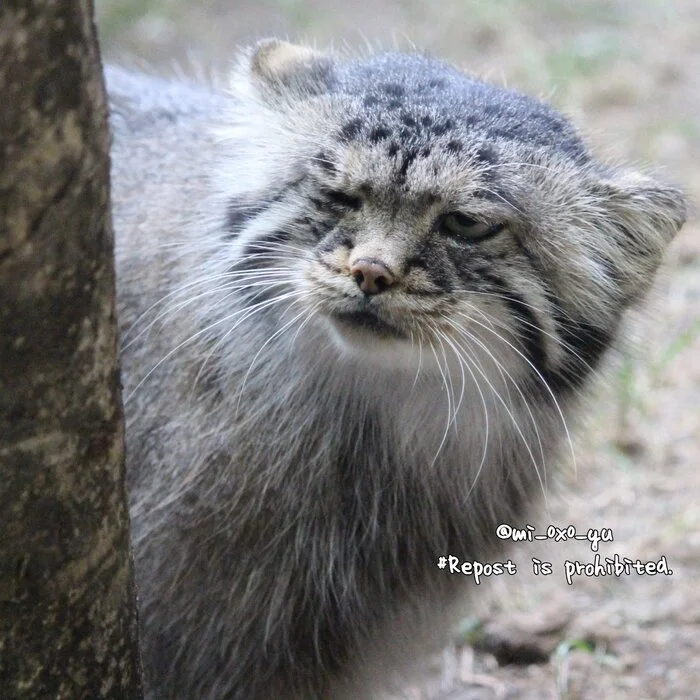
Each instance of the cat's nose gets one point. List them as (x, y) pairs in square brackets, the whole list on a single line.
[(372, 276)]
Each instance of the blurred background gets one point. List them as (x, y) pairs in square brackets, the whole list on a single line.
[(627, 73)]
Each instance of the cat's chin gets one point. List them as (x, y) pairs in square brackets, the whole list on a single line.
[(367, 338)]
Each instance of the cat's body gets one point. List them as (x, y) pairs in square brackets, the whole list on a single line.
[(359, 302)]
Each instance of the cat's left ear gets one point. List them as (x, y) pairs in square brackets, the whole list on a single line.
[(647, 212), (643, 216), (290, 71)]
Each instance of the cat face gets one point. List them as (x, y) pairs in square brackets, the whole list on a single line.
[(419, 209), (403, 249)]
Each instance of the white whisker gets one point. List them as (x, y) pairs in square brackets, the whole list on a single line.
[(466, 358), (206, 329), (541, 379), (542, 478), (449, 406)]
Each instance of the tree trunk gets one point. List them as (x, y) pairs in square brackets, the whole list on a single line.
[(67, 605)]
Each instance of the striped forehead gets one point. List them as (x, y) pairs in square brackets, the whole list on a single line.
[(417, 171)]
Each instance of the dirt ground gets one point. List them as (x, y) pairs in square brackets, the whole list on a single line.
[(627, 73)]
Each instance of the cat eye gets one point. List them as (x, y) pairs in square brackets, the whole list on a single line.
[(342, 199), (465, 227)]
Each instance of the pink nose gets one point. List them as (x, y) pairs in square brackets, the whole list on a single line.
[(372, 276)]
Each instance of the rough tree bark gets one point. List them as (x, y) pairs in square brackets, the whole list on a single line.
[(67, 608)]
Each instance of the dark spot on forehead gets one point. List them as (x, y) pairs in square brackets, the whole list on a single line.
[(495, 191), (393, 89), (436, 83), (486, 154), (325, 162), (425, 152), (379, 133), (510, 134), (351, 130), (454, 146), (393, 149), (394, 103), (408, 120), (426, 120), (370, 101), (443, 127), (408, 157)]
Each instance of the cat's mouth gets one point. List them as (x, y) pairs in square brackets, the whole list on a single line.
[(366, 321)]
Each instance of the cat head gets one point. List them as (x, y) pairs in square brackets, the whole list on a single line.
[(411, 206)]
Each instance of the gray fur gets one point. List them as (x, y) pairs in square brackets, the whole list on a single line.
[(295, 476)]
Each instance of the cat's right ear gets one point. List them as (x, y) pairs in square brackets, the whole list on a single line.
[(290, 71)]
